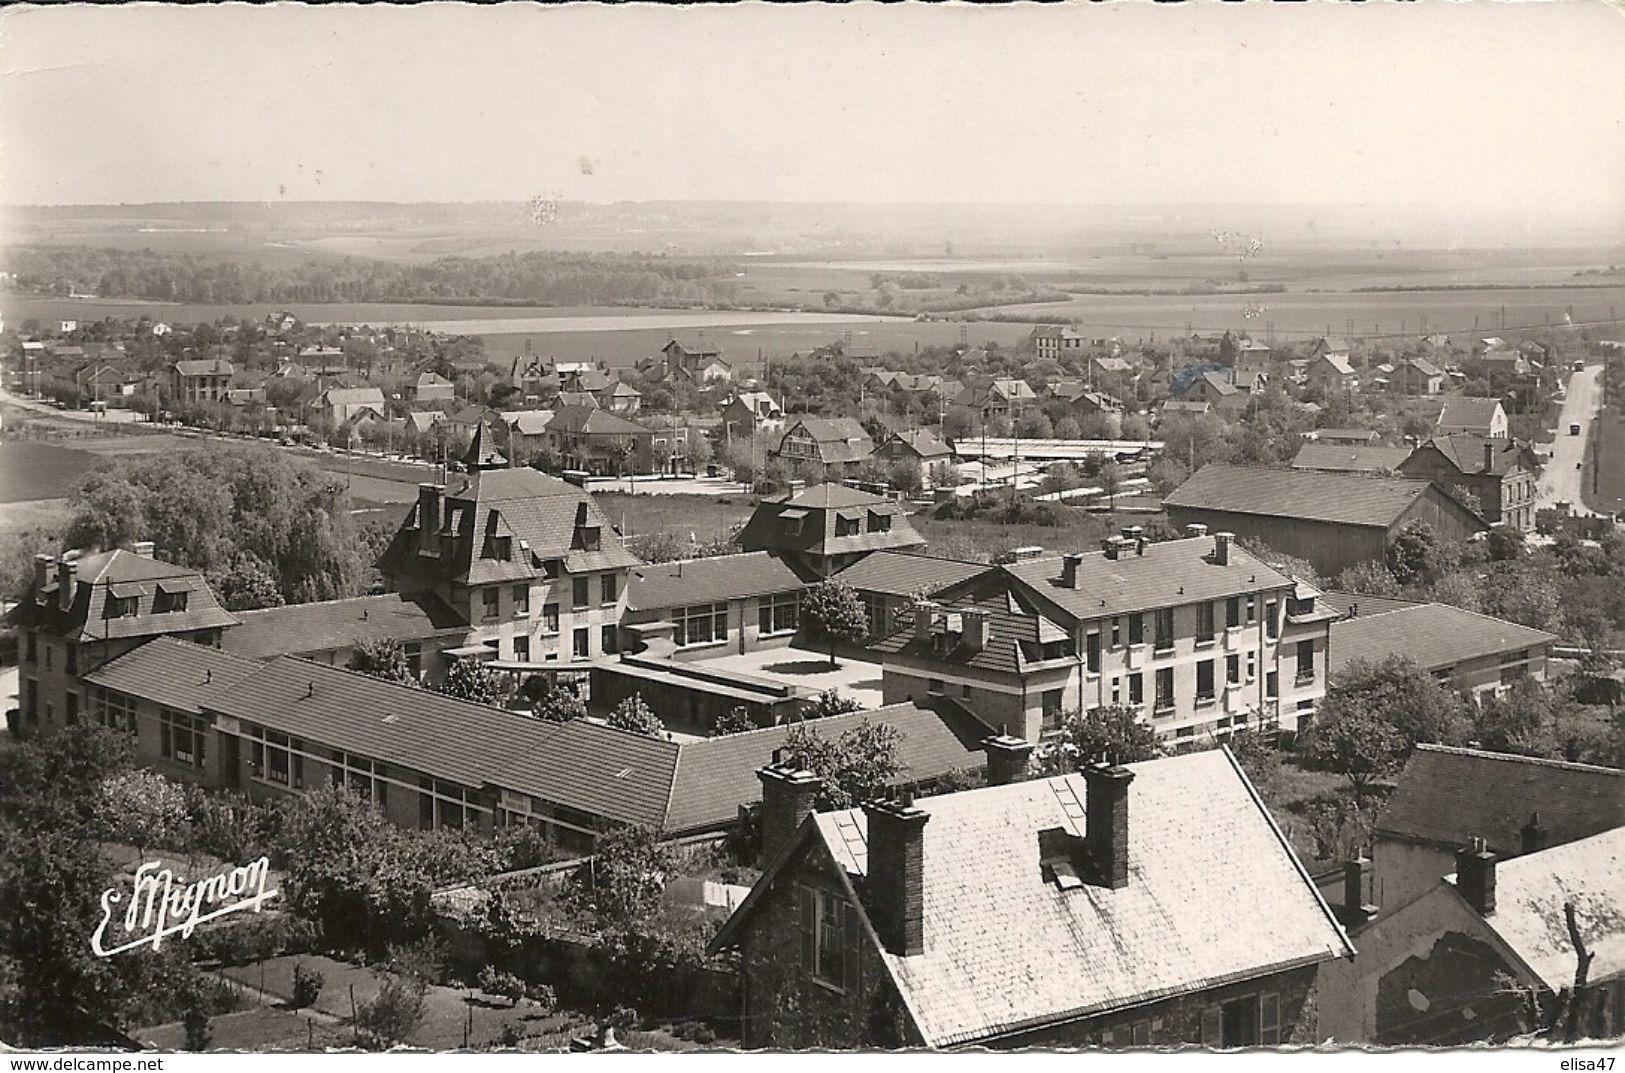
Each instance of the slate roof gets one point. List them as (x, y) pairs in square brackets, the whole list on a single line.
[(839, 439), (174, 673), (206, 367), (1143, 582), (1339, 364), (299, 629), (1447, 795), (923, 442), (714, 776), (1006, 950), (528, 422), (893, 573), (807, 523), (1343, 602), (1435, 636), (1339, 458), (592, 421), (1016, 631), (545, 513), (709, 580), (1215, 382), (1189, 406), (354, 396), (1312, 495), (1347, 435), (1529, 897), (1465, 452), (1424, 366), (1463, 414), (124, 574), (830, 494)]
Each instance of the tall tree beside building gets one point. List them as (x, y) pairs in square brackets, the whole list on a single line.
[(1114, 734), (832, 613)]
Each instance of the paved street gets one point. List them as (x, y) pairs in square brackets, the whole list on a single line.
[(1561, 480)]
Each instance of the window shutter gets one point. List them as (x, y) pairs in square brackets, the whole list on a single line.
[(852, 962), (1212, 1027), (1269, 1019), (809, 948)]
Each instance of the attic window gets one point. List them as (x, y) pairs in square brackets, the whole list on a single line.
[(591, 537), (879, 523), (168, 600), (1060, 855)]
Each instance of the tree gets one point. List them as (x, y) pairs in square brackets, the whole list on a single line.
[(1375, 713), (471, 680), (1110, 478), (632, 714), (246, 585), (858, 766), (735, 720), (1114, 733), (143, 808), (622, 882), (1369, 577), (830, 703), (1416, 556), (832, 612), (558, 706), (382, 657), (1258, 758)]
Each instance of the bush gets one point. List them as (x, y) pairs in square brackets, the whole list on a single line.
[(542, 995), (198, 1029), (695, 1032), (623, 1018), (510, 1036), (493, 981), (307, 986), (393, 1014)]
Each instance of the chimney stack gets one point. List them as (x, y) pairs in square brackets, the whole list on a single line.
[(1069, 569), (1357, 909), (1196, 529), (896, 883), (1114, 548), (1106, 823), (1534, 836), (144, 548), (1136, 533), (1221, 548), (429, 518), (1006, 758), (1489, 456), (788, 792), (1475, 876), (66, 583), (43, 565), (974, 632), (925, 611)]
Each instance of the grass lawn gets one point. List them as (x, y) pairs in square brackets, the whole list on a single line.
[(707, 517), (1295, 796), (1605, 465)]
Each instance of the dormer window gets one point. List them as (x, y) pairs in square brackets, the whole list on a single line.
[(879, 523), (121, 606), (167, 601), (591, 537)]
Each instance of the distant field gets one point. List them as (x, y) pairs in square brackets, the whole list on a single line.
[(706, 517), (32, 470)]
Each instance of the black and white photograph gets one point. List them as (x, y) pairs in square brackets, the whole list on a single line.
[(731, 529)]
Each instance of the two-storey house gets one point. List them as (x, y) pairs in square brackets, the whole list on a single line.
[(1500, 472), (826, 441), (200, 380), (827, 528)]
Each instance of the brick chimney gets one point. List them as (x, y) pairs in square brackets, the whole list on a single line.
[(925, 611), (1006, 758), (1136, 533), (145, 548), (1475, 876), (973, 635), (1069, 569), (1533, 836), (1113, 547), (1196, 529), (1489, 456), (896, 883), (1221, 548), (1106, 832), (1356, 884), (67, 572), (429, 518), (788, 792), (43, 565)]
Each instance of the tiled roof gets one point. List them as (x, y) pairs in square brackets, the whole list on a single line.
[(711, 580), (1004, 949), (133, 575), (1465, 452), (815, 513), (716, 775), (322, 627), (894, 573), (1424, 366), (211, 367), (834, 495), (1338, 458), (839, 439), (1434, 636), (923, 442), (528, 422), (1215, 382), (174, 673), (1530, 893), (354, 396), (1447, 795), (1338, 363), (592, 767), (1142, 582), (1015, 629), (1352, 435), (1463, 414), (1343, 498), (1365, 603)]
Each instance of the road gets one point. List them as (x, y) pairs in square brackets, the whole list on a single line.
[(1562, 478)]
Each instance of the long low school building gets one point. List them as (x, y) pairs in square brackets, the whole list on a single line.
[(274, 728)]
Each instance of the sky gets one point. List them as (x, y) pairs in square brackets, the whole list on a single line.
[(1498, 106)]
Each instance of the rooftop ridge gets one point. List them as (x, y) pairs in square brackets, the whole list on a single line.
[(1540, 761)]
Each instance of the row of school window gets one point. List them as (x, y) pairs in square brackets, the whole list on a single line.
[(1131, 628), (1239, 668), (580, 597)]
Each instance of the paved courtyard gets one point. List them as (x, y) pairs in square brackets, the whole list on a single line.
[(808, 669)]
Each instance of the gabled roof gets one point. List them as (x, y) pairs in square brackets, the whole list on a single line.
[(298, 629), (1339, 458), (1006, 950), (1465, 453), (840, 439), (528, 422), (209, 367), (1313, 495), (1214, 381), (1462, 413), (808, 523), (122, 574), (1424, 366), (1530, 894), (1016, 631), (354, 396), (174, 673), (894, 573), (1434, 636), (1448, 795), (711, 580)]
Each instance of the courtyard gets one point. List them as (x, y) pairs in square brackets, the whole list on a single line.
[(807, 669)]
